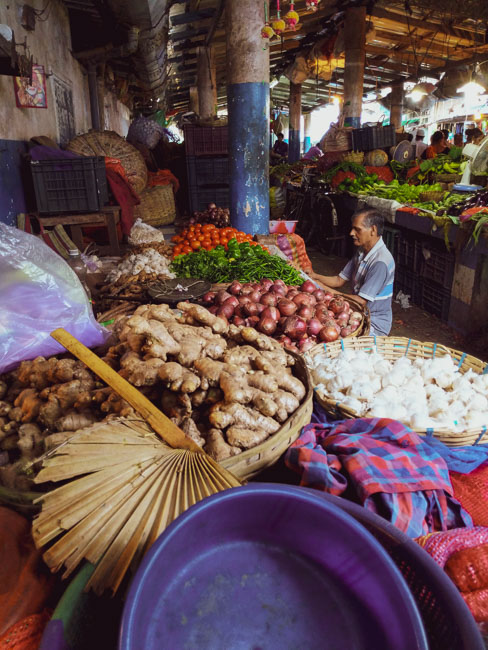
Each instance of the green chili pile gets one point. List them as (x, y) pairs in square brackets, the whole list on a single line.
[(241, 262)]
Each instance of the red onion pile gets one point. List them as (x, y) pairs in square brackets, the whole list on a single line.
[(220, 217), (298, 317)]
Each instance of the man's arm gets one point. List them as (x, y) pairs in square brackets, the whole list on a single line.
[(330, 281)]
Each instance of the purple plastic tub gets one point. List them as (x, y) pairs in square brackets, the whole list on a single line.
[(264, 567)]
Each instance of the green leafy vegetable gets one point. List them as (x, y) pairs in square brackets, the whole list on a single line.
[(241, 262)]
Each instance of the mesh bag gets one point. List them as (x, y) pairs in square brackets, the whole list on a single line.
[(26, 634), (469, 568), (477, 601), (440, 546), (471, 490)]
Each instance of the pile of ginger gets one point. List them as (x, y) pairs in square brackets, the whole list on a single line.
[(228, 388)]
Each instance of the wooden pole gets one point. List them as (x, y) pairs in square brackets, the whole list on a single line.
[(295, 115), (206, 82), (194, 106), (396, 105), (355, 39)]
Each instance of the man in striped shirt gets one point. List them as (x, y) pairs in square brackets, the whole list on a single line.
[(371, 271)]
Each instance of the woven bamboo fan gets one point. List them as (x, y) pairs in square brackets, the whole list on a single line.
[(393, 348), (128, 484), (112, 145), (157, 206)]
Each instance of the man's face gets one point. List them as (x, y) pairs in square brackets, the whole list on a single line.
[(361, 234), (281, 138)]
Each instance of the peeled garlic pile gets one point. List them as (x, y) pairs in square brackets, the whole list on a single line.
[(424, 393)]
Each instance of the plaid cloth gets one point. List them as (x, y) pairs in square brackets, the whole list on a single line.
[(389, 468)]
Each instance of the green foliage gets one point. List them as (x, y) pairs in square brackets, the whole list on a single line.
[(241, 262)]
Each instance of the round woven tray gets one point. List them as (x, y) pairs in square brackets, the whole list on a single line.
[(393, 348), (255, 460), (447, 178), (111, 145)]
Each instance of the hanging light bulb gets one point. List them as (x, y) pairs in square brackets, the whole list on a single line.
[(417, 93), (471, 88), (292, 18)]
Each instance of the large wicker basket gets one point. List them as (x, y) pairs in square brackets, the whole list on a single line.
[(393, 348), (112, 145), (157, 206), (255, 460)]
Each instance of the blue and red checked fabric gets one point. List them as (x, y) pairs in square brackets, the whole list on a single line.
[(387, 467)]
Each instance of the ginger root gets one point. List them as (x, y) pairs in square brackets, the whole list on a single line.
[(178, 378), (245, 438), (139, 372), (192, 313), (223, 415), (217, 447)]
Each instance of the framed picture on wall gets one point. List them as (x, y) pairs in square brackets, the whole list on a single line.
[(31, 95)]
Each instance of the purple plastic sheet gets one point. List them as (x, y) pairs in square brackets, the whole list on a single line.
[(39, 292)]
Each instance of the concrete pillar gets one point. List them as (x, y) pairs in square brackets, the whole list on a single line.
[(248, 106), (396, 105), (93, 89), (307, 127), (355, 39), (194, 106), (294, 138), (206, 82)]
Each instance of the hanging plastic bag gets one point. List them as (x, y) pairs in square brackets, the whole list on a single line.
[(39, 292)]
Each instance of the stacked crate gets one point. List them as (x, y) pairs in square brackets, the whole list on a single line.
[(424, 270), (207, 165)]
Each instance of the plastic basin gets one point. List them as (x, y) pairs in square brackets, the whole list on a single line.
[(265, 567)]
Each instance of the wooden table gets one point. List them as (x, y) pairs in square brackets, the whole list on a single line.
[(109, 216)]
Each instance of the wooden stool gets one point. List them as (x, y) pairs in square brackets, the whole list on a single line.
[(109, 216)]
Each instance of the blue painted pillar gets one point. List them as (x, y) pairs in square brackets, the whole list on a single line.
[(248, 107), (294, 139), (307, 126), (355, 39)]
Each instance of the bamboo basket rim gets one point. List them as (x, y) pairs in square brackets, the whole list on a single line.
[(254, 460), (433, 195), (394, 347)]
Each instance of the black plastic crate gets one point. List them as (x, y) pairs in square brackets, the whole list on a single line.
[(407, 253), (208, 171), (391, 237), (201, 197), (70, 184), (206, 140), (373, 137), (436, 265), (435, 299), (408, 282)]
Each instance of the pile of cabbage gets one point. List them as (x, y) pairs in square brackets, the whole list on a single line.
[(423, 393)]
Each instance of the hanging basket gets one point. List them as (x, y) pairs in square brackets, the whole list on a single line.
[(111, 145), (157, 206), (338, 137)]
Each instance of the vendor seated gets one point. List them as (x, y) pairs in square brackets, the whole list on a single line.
[(280, 149), (313, 153), (437, 146), (371, 271)]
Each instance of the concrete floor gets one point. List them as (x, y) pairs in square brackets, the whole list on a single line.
[(412, 322)]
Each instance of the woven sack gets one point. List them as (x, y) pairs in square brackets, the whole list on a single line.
[(157, 206), (468, 568), (338, 137), (471, 490), (477, 601)]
